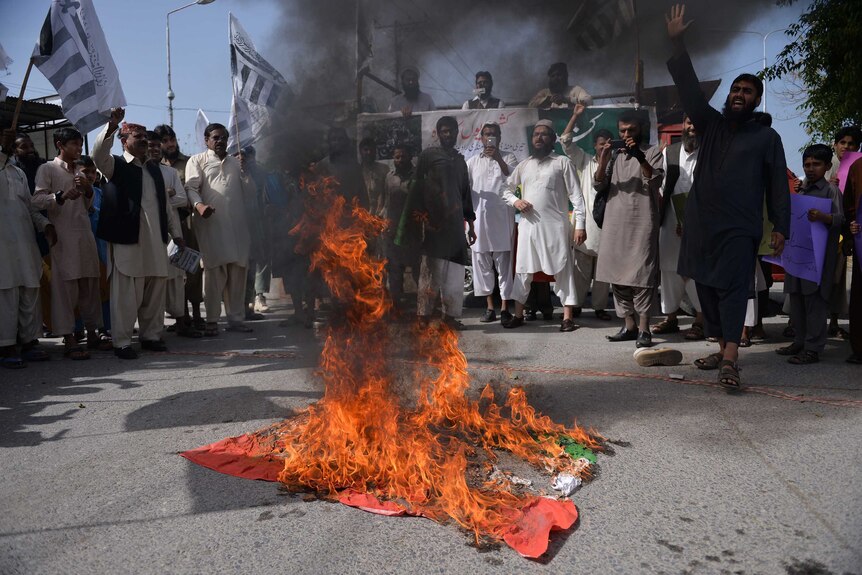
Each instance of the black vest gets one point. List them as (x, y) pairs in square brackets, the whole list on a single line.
[(476, 104), (120, 215)]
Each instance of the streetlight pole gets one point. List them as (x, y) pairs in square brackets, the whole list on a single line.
[(763, 38), (171, 94)]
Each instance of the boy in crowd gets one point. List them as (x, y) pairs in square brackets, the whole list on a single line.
[(68, 196), (809, 302)]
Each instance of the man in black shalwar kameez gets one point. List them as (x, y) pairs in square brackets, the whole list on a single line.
[(741, 162)]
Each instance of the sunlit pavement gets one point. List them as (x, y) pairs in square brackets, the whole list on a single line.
[(761, 482)]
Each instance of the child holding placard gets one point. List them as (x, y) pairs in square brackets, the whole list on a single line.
[(809, 301)]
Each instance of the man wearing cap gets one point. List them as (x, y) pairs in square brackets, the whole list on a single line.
[(559, 94), (483, 99), (137, 220), (412, 99), (548, 183), (438, 205), (495, 221)]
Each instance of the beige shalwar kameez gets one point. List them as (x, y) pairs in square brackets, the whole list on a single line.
[(223, 237), (20, 262), (74, 258), (138, 272)]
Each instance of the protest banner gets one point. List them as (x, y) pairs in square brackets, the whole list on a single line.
[(805, 249)]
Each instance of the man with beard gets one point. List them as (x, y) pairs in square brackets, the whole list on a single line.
[(628, 254), (173, 157), (548, 183), (495, 222), (740, 162), (27, 159), (483, 99), (411, 100), (175, 299), (678, 162), (137, 220), (216, 190), (559, 94), (438, 205)]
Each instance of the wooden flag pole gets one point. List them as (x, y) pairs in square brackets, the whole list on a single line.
[(21, 95)]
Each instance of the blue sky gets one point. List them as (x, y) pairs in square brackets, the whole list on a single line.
[(135, 31)]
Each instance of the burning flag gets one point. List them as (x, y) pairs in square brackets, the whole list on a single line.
[(597, 22), (403, 437)]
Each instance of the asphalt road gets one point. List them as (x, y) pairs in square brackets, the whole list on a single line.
[(769, 481)]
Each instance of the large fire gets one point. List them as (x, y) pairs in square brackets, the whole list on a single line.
[(396, 431), (414, 449)]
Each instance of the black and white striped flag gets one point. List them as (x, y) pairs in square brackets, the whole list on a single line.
[(254, 79), (73, 55), (241, 125), (597, 22)]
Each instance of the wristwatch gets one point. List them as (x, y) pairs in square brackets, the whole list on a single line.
[(58, 197)]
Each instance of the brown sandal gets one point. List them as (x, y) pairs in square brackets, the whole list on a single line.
[(695, 332), (76, 352), (709, 362), (664, 327), (728, 375)]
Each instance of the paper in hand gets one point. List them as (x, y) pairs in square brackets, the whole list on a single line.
[(186, 258)]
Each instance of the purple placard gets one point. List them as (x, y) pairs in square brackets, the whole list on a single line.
[(857, 238), (844, 167), (805, 250)]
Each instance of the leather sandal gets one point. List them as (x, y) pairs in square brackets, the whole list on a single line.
[(709, 362), (665, 327)]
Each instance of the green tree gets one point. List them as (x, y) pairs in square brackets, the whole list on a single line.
[(824, 54)]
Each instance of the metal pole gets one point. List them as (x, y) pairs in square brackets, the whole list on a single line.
[(170, 90), (168, 36)]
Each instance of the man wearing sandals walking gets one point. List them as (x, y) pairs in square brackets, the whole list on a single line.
[(740, 163), (216, 189), (137, 220)]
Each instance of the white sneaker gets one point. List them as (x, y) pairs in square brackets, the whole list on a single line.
[(260, 303)]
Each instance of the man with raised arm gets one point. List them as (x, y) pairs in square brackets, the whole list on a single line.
[(137, 221), (740, 162)]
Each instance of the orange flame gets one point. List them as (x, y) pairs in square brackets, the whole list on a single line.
[(364, 436)]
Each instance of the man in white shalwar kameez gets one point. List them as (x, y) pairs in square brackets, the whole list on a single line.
[(495, 222), (138, 271), (587, 254), (20, 264), (678, 162), (215, 188), (548, 183), (175, 291)]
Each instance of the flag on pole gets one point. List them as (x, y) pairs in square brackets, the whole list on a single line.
[(242, 124), (73, 55), (254, 79), (597, 22), (5, 60), (201, 123), (364, 40)]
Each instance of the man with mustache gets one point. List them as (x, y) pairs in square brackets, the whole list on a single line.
[(412, 99), (740, 163), (216, 190), (137, 221), (545, 236)]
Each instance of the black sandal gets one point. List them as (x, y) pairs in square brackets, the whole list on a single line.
[(728, 375), (804, 358)]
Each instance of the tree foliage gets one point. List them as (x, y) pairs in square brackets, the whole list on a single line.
[(824, 53)]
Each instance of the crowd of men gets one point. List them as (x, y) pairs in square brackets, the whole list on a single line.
[(89, 238)]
